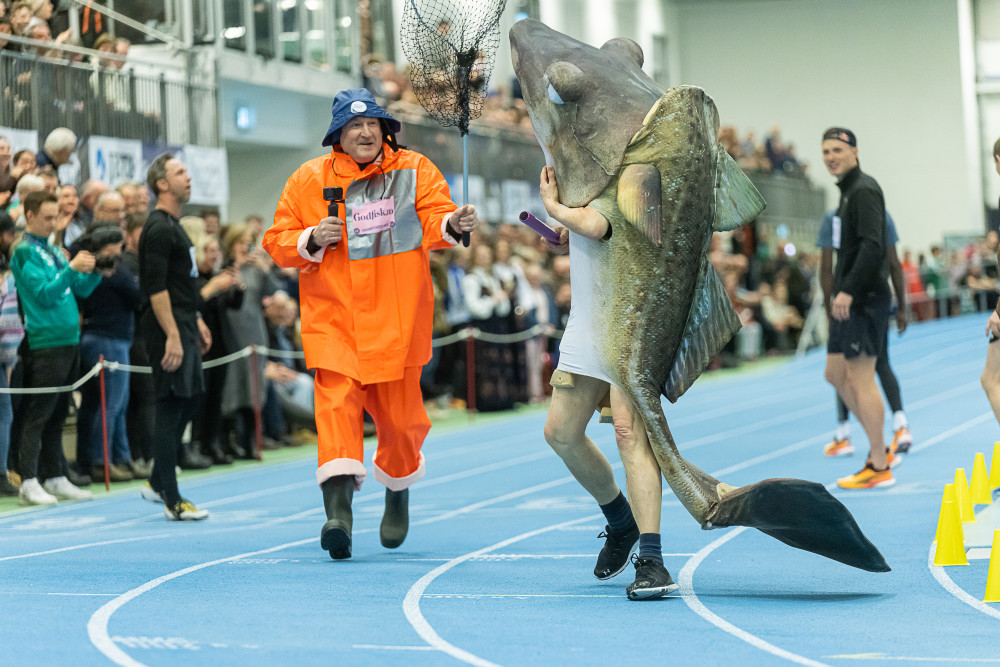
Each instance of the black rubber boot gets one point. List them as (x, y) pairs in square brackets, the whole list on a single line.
[(338, 492), (396, 520)]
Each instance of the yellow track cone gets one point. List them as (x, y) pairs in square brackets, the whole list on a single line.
[(950, 549), (995, 467), (965, 509), (979, 485), (993, 576), (949, 494)]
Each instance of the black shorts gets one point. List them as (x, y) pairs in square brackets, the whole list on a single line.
[(864, 333), (187, 381)]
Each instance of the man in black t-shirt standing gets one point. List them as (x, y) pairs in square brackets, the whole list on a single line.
[(861, 301), (174, 333)]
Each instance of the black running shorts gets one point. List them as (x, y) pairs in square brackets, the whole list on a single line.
[(864, 333)]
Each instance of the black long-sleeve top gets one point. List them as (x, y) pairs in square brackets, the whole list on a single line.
[(166, 262), (861, 260)]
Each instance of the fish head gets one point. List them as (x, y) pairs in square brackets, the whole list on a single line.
[(585, 103)]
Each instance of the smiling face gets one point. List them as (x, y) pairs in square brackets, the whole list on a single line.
[(68, 201), (839, 157), (19, 19), (361, 138)]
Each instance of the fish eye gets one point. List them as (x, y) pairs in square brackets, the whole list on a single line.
[(553, 95)]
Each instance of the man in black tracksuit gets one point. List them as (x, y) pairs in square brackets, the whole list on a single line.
[(861, 300)]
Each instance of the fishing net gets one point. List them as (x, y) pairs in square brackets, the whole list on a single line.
[(451, 46)]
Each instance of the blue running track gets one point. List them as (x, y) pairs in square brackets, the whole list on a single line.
[(497, 568)]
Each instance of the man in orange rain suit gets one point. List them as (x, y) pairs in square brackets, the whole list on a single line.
[(367, 302)]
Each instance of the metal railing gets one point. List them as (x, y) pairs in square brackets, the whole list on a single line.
[(44, 92)]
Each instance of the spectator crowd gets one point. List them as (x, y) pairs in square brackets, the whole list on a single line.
[(507, 287)]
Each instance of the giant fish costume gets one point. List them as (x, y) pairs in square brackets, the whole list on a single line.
[(651, 163)]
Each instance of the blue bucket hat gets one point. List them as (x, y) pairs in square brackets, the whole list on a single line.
[(355, 102)]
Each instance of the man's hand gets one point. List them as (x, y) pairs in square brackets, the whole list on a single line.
[(549, 190), (83, 262), (841, 306), (464, 219), (173, 354), (993, 325), (562, 248), (206, 336), (901, 320), (328, 231)]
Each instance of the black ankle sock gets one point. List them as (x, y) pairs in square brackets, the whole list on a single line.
[(619, 515), (649, 547)]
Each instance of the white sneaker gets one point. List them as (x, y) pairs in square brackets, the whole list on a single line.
[(32, 493), (62, 488)]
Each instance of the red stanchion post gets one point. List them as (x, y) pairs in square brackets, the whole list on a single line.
[(104, 429), (257, 421), (470, 373)]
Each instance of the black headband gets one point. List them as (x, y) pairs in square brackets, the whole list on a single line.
[(841, 134)]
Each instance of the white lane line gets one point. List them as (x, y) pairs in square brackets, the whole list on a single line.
[(198, 481), (110, 595), (883, 656), (941, 575), (411, 603), (371, 496), (378, 647), (686, 582), (699, 608), (986, 416), (520, 596), (85, 546), (97, 626)]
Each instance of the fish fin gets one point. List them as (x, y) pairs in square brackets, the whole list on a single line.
[(737, 201), (711, 323), (639, 199)]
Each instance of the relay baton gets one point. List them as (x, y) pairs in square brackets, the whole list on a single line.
[(543, 230)]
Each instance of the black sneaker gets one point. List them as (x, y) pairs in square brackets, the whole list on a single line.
[(614, 556), (651, 580)]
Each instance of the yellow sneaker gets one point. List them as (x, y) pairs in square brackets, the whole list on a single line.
[(901, 441), (867, 478), (839, 448)]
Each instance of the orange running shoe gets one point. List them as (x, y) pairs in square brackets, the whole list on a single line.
[(867, 478), (901, 441), (892, 458), (839, 448)]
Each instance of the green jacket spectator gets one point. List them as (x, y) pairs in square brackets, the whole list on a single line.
[(47, 289)]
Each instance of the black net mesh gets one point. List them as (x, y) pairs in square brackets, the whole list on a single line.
[(451, 46)]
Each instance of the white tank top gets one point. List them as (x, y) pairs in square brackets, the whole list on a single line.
[(576, 349)]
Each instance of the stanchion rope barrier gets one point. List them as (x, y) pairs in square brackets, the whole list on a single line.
[(115, 366)]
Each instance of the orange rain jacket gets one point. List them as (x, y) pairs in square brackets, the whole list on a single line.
[(365, 314)]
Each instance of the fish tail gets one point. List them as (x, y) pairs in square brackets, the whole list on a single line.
[(696, 489)]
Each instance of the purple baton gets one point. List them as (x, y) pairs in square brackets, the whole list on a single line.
[(546, 232)]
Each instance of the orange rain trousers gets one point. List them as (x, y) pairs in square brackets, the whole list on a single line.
[(397, 407)]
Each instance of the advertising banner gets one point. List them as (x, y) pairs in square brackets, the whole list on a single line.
[(115, 161), (209, 175)]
